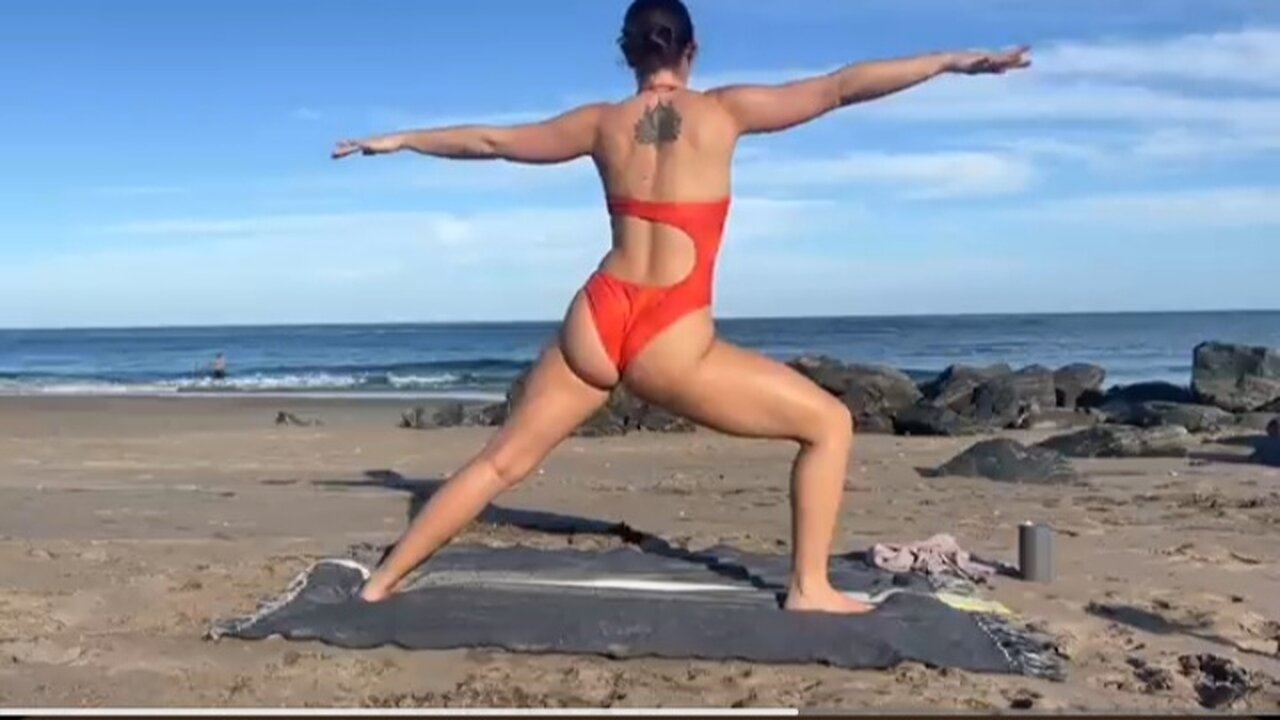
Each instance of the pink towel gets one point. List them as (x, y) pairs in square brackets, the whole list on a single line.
[(939, 555)]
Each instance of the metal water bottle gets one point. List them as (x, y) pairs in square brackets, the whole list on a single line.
[(1035, 552)]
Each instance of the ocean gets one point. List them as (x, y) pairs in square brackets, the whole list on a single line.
[(479, 360)]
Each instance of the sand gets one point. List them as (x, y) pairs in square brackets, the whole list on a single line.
[(127, 525)]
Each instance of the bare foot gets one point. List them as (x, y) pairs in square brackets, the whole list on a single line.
[(828, 600), (372, 594)]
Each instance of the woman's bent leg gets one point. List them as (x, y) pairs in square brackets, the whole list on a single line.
[(554, 403), (745, 394)]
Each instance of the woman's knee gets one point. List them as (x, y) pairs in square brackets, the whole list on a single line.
[(832, 424)]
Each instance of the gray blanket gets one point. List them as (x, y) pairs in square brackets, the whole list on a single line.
[(657, 602)]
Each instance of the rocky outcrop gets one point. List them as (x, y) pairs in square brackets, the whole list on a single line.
[(1072, 382), (1254, 422), (1060, 419), (954, 388), (874, 394), (1194, 418), (1273, 428), (445, 416), (1009, 461), (1146, 392), (621, 414), (289, 419), (1005, 400), (930, 420), (1237, 377), (1120, 441)]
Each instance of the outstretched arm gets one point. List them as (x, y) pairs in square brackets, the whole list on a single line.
[(560, 139), (769, 108)]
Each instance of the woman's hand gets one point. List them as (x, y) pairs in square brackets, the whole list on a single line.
[(380, 145), (987, 63)]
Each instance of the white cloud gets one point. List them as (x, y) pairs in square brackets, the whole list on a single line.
[(1229, 208), (915, 175), (1250, 56), (521, 263)]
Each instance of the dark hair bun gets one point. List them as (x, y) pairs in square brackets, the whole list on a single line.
[(656, 34)]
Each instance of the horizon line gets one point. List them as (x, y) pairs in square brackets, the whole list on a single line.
[(728, 318)]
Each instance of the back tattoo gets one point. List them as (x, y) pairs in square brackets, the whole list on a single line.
[(659, 124)]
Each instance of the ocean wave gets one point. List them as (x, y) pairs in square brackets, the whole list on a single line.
[(429, 378)]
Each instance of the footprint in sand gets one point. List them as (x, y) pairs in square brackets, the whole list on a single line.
[(1211, 555), (39, 652)]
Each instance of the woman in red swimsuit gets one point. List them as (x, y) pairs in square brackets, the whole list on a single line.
[(644, 318)]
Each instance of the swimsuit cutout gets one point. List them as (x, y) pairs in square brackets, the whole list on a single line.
[(627, 315)]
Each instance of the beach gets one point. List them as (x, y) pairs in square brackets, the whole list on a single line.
[(127, 525)]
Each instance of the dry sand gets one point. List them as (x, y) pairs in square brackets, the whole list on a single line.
[(126, 525)]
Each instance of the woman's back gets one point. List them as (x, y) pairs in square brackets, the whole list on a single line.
[(670, 146)]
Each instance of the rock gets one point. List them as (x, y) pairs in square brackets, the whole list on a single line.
[(830, 374), (1060, 419), (1004, 460), (930, 420), (493, 415), (1005, 400), (1267, 452), (446, 416), (656, 419), (622, 413), (1078, 379), (873, 424), (1122, 441), (1219, 682), (1254, 422), (1273, 428), (879, 392), (1236, 377), (873, 393), (955, 386), (1195, 418), (1148, 392), (288, 418)]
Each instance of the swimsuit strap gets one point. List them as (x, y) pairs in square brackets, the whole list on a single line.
[(702, 221)]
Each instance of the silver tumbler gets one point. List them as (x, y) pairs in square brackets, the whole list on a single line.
[(1035, 552)]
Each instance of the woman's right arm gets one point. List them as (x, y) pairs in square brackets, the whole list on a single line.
[(559, 139), (770, 108)]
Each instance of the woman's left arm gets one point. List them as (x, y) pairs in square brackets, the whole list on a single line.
[(560, 139)]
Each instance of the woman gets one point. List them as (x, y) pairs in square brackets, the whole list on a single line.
[(643, 319)]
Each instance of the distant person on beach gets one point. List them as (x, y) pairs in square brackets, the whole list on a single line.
[(643, 319), (219, 370)]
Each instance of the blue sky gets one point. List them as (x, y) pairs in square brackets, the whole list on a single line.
[(167, 162)]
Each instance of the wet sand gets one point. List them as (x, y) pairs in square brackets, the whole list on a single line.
[(127, 525)]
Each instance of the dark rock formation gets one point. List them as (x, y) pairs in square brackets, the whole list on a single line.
[(288, 418), (486, 415), (1004, 460), (830, 374), (622, 413), (874, 394), (1060, 419), (1120, 441), (445, 416), (1273, 428), (930, 420), (1236, 377), (955, 387), (1254, 422), (1195, 418), (1075, 381), (1148, 392), (1219, 681), (1007, 399)]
